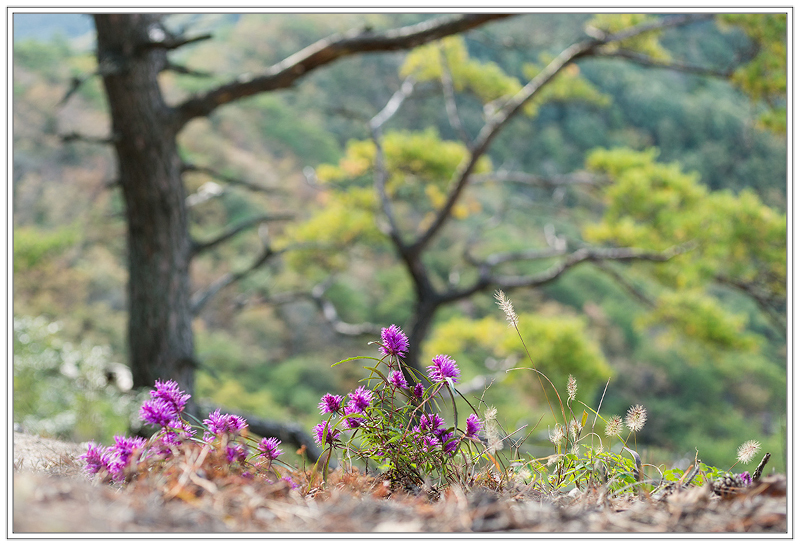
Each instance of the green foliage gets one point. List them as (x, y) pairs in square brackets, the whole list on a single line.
[(32, 245), (61, 388), (764, 77), (646, 43)]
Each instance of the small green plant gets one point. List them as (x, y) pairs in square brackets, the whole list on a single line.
[(394, 420)]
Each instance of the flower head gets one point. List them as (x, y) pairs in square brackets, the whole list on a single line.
[(176, 431), (397, 379), (394, 341), (473, 426), (319, 430), (157, 412), (572, 388), (93, 460), (330, 403), (353, 422), (361, 398), (449, 443), (746, 478), (169, 392), (558, 434), (443, 368), (747, 451), (431, 423), (636, 418), (574, 428), (419, 390), (507, 307), (269, 448), (219, 423), (614, 426), (236, 452)]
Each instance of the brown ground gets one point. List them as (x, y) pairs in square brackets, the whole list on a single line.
[(51, 495)]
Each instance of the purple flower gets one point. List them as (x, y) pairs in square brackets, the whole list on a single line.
[(353, 422), (429, 442), (330, 403), (449, 443), (746, 478), (157, 412), (394, 341), (269, 448), (94, 459), (220, 424), (236, 452), (169, 392), (443, 368), (419, 390), (361, 398), (431, 423), (397, 379), (176, 432), (473, 426), (319, 430), (288, 480), (117, 457)]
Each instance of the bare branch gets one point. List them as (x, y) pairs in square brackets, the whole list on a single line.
[(232, 231), (326, 51), (189, 167), (332, 316), (381, 173), (584, 255), (578, 178), (627, 285), (765, 303), (180, 69), (161, 40), (450, 99), (202, 297), (649, 62), (77, 137), (502, 116)]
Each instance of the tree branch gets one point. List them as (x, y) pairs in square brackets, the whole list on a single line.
[(332, 316), (180, 69), (450, 99), (381, 173), (764, 302), (77, 137), (649, 62), (202, 297), (622, 281), (579, 178), (189, 167), (502, 116), (326, 51), (232, 231)]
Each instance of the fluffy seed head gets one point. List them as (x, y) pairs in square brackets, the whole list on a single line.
[(507, 307), (636, 418), (614, 426), (747, 451), (557, 435), (574, 428), (572, 388)]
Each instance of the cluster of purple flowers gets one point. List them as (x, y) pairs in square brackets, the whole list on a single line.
[(115, 459), (164, 409), (394, 342)]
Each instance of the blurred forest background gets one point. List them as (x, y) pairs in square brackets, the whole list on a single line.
[(617, 153)]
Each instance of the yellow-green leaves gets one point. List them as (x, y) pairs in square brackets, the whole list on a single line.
[(737, 241), (646, 43), (487, 80), (764, 77)]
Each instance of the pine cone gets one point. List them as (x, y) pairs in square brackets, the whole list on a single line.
[(728, 485)]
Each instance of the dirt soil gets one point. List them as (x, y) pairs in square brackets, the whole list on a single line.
[(52, 495)]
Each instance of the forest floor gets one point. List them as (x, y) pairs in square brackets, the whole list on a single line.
[(51, 494)]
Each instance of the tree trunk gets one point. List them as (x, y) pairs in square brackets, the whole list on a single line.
[(420, 328), (160, 340)]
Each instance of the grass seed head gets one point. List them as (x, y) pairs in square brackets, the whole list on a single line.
[(636, 418), (747, 451)]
